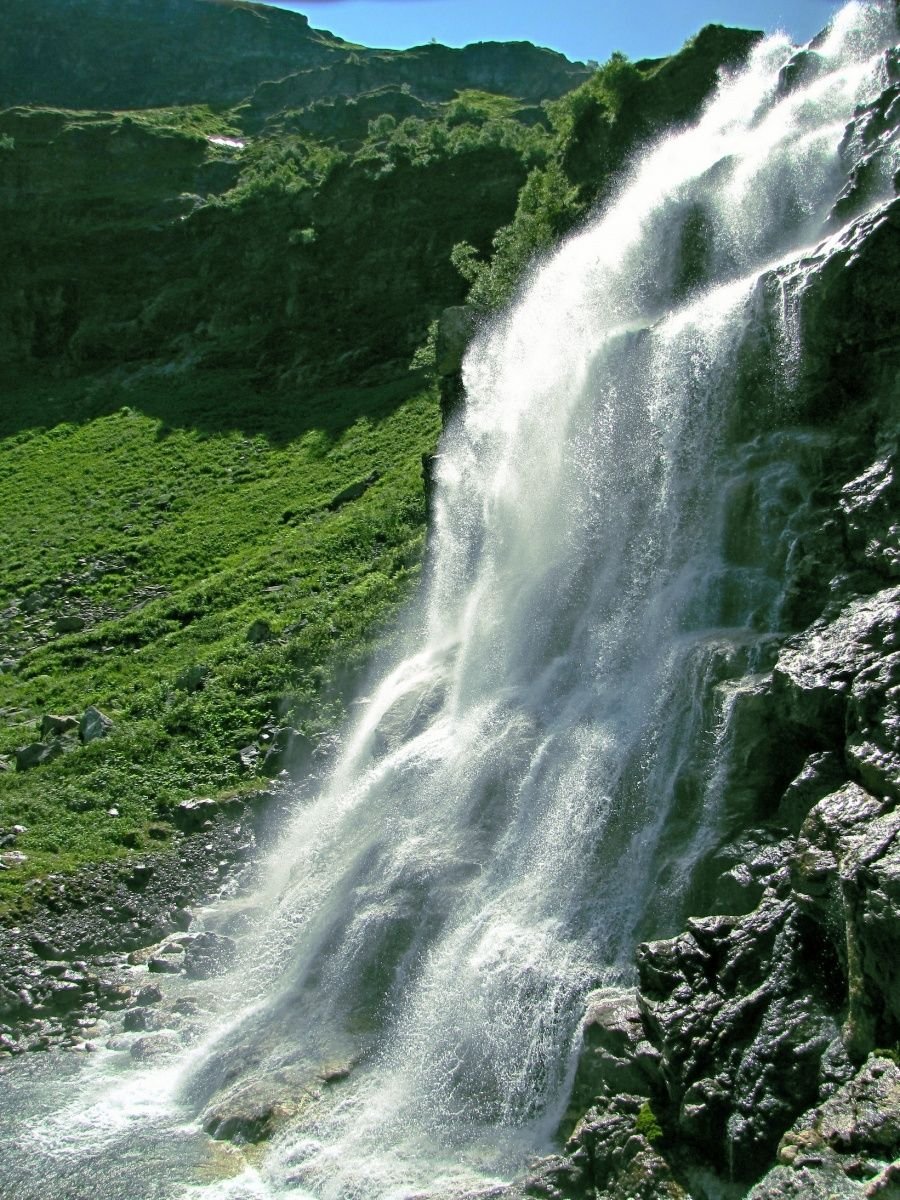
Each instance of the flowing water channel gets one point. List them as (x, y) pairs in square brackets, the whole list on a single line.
[(526, 792)]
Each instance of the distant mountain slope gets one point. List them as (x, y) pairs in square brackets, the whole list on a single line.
[(125, 54)]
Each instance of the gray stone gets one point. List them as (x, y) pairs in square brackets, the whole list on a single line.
[(814, 674), (289, 748), (259, 631), (37, 754), (69, 624), (873, 719), (192, 678), (208, 954), (56, 726), (249, 757), (164, 965), (617, 1159), (741, 1041), (142, 1020), (615, 1054), (192, 814), (822, 773), (93, 724), (252, 1112), (353, 491), (869, 505), (155, 1045)]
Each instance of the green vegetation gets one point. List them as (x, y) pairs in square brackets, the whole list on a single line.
[(169, 514), (646, 1124)]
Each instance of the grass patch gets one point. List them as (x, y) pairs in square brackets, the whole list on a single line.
[(166, 516)]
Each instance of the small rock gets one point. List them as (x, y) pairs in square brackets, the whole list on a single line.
[(164, 966), (55, 726)]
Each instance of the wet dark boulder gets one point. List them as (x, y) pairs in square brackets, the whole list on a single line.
[(742, 1034), (846, 1147)]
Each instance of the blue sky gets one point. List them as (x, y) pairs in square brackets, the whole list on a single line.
[(579, 28)]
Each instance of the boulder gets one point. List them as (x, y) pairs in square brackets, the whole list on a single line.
[(208, 954), (193, 814), (846, 879), (155, 1045), (143, 1020), (846, 1147), (742, 1037), (615, 1054), (869, 504), (288, 748), (165, 965), (93, 724), (69, 624), (56, 726), (252, 1112), (37, 754), (616, 1151), (353, 491), (192, 678), (873, 719), (815, 672)]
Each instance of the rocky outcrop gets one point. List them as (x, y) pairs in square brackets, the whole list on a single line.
[(846, 1147)]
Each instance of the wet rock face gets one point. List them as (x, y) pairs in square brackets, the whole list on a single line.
[(846, 1147), (852, 656), (740, 1035)]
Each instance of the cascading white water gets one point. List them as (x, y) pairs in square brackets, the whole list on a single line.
[(526, 793)]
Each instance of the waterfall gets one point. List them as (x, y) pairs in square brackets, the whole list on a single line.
[(526, 793)]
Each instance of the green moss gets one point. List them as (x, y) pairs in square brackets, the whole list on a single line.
[(646, 1124)]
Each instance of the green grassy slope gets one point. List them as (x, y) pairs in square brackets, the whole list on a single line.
[(167, 517)]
